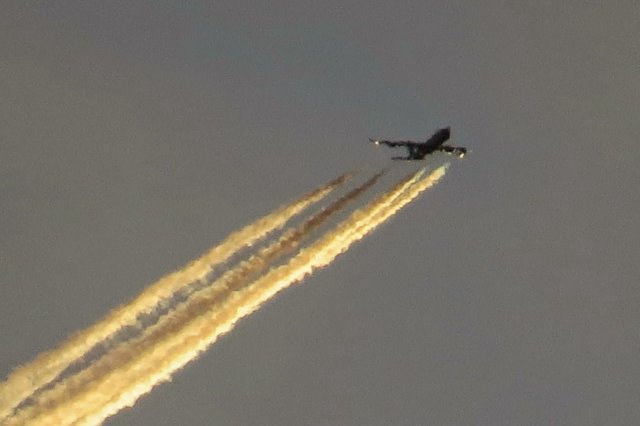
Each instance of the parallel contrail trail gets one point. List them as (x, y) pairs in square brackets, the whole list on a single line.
[(27, 379), (246, 301), (137, 376), (198, 304), (137, 365)]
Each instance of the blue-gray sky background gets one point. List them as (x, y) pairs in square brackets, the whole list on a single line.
[(134, 135)]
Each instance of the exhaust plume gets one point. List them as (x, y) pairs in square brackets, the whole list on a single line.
[(199, 304), (133, 368), (27, 379)]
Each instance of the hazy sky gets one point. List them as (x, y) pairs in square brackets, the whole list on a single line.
[(134, 135)]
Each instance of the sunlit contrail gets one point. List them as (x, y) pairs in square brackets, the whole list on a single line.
[(27, 379), (138, 376), (172, 322), (190, 327)]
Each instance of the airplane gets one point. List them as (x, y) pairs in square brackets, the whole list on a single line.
[(419, 150)]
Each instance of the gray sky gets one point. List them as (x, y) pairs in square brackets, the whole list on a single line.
[(135, 135)]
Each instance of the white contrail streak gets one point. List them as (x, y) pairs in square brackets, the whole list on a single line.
[(26, 380), (200, 303), (136, 377)]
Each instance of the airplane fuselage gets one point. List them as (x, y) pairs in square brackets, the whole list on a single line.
[(419, 150)]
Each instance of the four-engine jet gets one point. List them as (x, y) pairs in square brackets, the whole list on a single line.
[(418, 150)]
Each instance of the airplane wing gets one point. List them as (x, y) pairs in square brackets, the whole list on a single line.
[(390, 143), (437, 139)]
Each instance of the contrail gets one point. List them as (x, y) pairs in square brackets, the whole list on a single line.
[(126, 384), (26, 380), (198, 304), (243, 303)]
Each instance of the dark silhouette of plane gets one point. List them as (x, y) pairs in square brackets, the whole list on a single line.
[(419, 150)]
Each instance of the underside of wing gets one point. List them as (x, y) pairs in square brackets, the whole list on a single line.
[(390, 143)]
